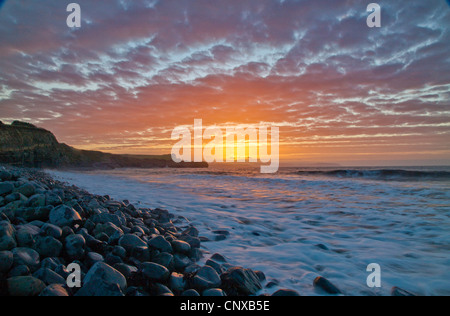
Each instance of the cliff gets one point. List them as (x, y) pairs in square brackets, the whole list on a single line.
[(25, 145)]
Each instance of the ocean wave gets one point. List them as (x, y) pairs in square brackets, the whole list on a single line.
[(381, 174)]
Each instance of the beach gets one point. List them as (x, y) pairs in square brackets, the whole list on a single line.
[(303, 223)]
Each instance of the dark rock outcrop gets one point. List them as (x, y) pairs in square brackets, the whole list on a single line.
[(25, 145)]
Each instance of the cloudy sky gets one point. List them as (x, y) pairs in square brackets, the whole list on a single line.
[(339, 91)]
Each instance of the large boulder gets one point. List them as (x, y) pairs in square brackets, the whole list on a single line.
[(7, 236), (103, 280), (240, 281), (206, 278), (64, 215), (25, 286)]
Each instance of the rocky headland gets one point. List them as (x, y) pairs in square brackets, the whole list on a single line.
[(25, 145)]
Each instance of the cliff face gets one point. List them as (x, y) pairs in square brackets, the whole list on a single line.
[(22, 144)]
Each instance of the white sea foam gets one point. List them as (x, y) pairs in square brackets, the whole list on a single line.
[(295, 227)]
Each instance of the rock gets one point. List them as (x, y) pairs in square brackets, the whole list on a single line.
[(104, 218), (7, 236), (92, 258), (101, 288), (6, 261), (49, 277), (37, 200), (103, 273), (51, 230), (27, 189), (214, 292), (190, 293), (48, 247), (216, 266), (285, 292), (107, 228), (193, 241), (206, 278), (326, 286), (181, 246), (261, 276), (64, 216), (6, 188), (15, 196), (25, 286), (2, 201), (5, 175), (160, 290), (129, 242), (161, 244), (218, 258), (74, 247), (34, 214), (141, 254), (240, 281), (191, 231), (20, 270), (177, 283), (155, 272), (396, 291), (126, 269), (12, 210), (27, 257), (181, 262), (26, 235), (165, 259), (52, 198), (54, 290), (120, 252)]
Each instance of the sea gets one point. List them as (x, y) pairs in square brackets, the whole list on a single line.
[(301, 223)]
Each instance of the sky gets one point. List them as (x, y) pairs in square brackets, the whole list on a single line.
[(339, 91)]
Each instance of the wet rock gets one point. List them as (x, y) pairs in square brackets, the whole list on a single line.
[(6, 261), (181, 246), (92, 258), (126, 269), (396, 291), (52, 198), (155, 272), (51, 230), (103, 273), (129, 242), (107, 228), (64, 216), (158, 289), (35, 214), (54, 290), (181, 262), (49, 277), (101, 288), (104, 218), (27, 189), (193, 241), (48, 247), (75, 247), (323, 284), (190, 293), (27, 257), (177, 283), (6, 188), (206, 278), (7, 236), (216, 266), (20, 270), (240, 281), (161, 244), (214, 292), (285, 292), (261, 276), (26, 235), (37, 200), (218, 258), (165, 259), (25, 286)]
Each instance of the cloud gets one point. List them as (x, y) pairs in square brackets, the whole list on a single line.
[(312, 67)]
